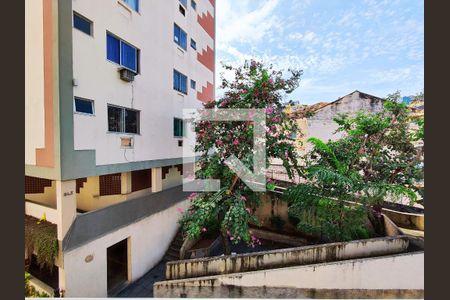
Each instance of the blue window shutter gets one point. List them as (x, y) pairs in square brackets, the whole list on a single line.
[(176, 33), (83, 106), (129, 55), (183, 40), (184, 84), (134, 4), (112, 48), (184, 2), (82, 24), (175, 80)]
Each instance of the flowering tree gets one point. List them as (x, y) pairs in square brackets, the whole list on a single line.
[(230, 210)]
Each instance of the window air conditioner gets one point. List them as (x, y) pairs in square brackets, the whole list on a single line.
[(127, 75)]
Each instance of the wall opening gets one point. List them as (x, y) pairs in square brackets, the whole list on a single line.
[(117, 267)]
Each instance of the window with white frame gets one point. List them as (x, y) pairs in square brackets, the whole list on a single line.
[(194, 4), (121, 119), (122, 53), (193, 84), (193, 44)]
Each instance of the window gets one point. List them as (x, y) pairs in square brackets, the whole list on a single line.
[(82, 24), (180, 36), (122, 53), (194, 4), (182, 10), (178, 127), (122, 119), (84, 106), (134, 4), (110, 184), (193, 84), (179, 82), (193, 44), (184, 2)]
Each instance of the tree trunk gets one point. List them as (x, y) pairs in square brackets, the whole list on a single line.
[(223, 234), (225, 243)]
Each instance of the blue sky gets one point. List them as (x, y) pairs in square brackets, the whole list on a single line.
[(372, 46)]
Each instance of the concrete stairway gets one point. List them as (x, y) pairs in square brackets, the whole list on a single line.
[(173, 253)]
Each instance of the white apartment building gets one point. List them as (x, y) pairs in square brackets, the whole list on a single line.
[(106, 83)]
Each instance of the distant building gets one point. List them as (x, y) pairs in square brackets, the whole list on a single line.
[(317, 120)]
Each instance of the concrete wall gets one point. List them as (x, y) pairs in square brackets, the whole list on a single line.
[(38, 211), (394, 276), (34, 80), (285, 257), (151, 31), (406, 220), (271, 206), (149, 238)]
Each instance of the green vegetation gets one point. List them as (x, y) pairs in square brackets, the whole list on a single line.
[(377, 158), (30, 291)]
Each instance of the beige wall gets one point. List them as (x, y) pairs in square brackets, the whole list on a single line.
[(34, 80), (401, 274), (148, 243)]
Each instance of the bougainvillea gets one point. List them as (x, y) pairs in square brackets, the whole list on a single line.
[(231, 209)]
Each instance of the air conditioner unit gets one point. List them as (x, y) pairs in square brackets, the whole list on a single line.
[(126, 142), (127, 75)]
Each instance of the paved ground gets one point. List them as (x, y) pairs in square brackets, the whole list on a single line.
[(143, 287)]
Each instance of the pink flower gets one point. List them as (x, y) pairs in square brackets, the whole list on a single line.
[(286, 154), (180, 210), (243, 198), (248, 210), (228, 232), (231, 238), (269, 110), (236, 142), (219, 143), (192, 195), (270, 80), (204, 229)]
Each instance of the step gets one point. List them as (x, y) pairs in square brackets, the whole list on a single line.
[(175, 253)]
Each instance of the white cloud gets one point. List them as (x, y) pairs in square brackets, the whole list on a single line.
[(237, 23)]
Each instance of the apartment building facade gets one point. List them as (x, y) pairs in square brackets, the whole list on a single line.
[(106, 84)]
